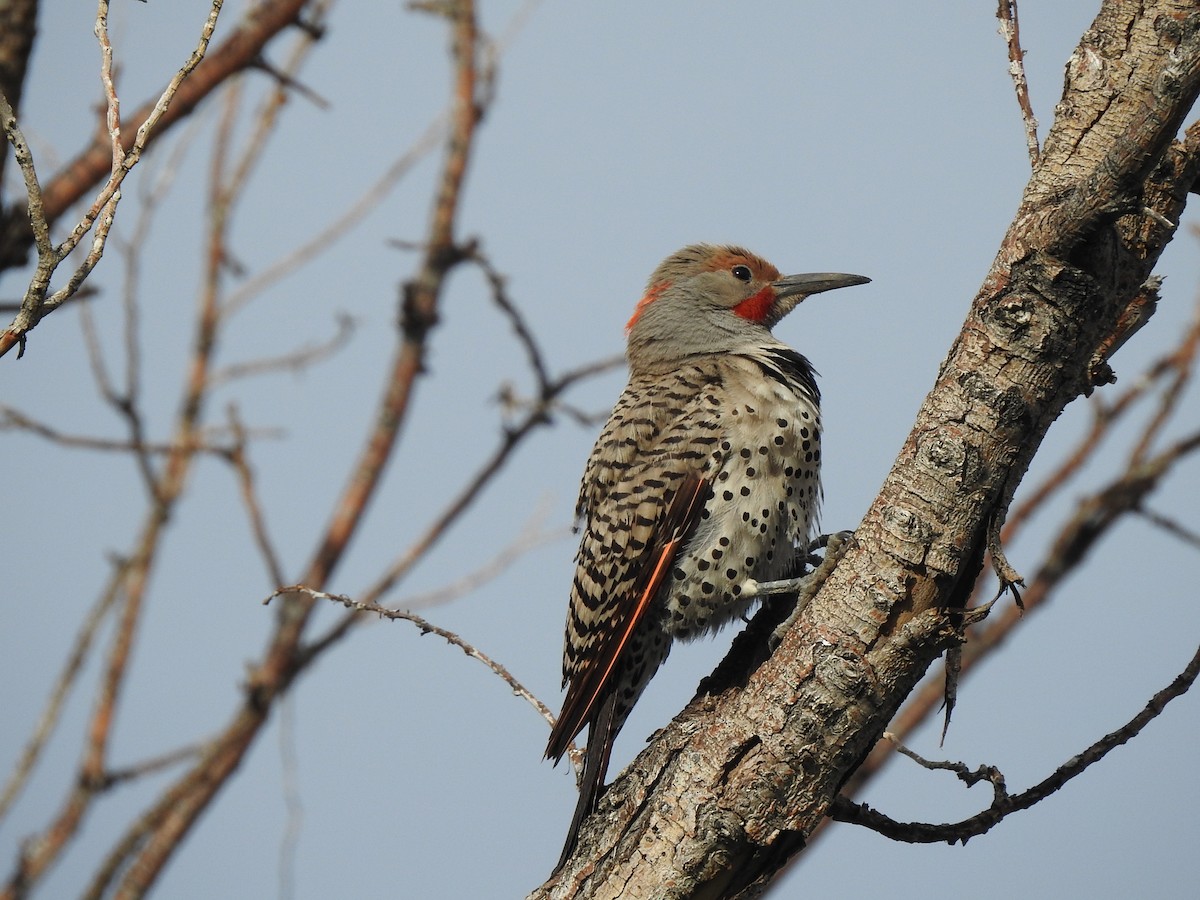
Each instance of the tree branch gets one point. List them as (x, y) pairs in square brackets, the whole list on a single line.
[(995, 632), (139, 856), (1003, 805), (93, 164), (732, 789), (100, 215)]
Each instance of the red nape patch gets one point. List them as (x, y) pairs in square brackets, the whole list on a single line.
[(756, 308), (651, 296)]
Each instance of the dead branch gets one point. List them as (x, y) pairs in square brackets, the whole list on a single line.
[(1094, 517), (375, 194), (293, 361), (1003, 805), (1010, 30), (101, 213), (93, 164), (761, 762), (511, 438), (141, 853), (239, 459), (426, 627)]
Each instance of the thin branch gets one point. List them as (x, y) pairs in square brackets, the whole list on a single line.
[(125, 403), (1010, 30), (100, 215), (511, 438), (427, 627), (513, 314), (203, 441), (258, 525), (293, 361), (845, 810), (1169, 525), (151, 766), (63, 685), (31, 306), (1087, 526), (968, 776), (375, 194), (33, 188)]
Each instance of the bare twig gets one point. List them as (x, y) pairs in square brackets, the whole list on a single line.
[(206, 440), (33, 188), (31, 305), (293, 361), (1169, 525), (513, 314), (844, 810), (63, 685), (100, 215), (114, 777), (968, 776), (1087, 526), (142, 852), (1010, 30), (125, 403), (427, 627), (258, 525), (328, 236)]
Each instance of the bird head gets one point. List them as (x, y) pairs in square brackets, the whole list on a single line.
[(711, 299)]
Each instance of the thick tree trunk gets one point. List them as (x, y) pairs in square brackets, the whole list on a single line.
[(730, 790)]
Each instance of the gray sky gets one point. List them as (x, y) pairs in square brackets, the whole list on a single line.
[(879, 138)]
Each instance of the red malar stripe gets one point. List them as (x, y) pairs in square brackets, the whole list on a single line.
[(755, 308)]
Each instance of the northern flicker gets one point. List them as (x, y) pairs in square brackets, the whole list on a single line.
[(704, 482)]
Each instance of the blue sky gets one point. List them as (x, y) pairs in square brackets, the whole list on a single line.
[(872, 137)]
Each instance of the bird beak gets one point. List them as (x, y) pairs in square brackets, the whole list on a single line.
[(814, 283), (791, 289)]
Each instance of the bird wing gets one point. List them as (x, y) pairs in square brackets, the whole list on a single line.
[(586, 690)]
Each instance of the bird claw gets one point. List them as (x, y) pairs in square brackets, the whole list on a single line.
[(806, 586)]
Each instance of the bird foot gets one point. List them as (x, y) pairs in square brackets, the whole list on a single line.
[(805, 587)]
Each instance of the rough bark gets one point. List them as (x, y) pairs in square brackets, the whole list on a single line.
[(731, 789)]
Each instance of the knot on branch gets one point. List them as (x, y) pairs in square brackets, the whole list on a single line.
[(418, 307)]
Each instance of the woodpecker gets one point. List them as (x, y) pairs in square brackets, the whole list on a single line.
[(704, 483)]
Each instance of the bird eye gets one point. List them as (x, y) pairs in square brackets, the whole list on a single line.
[(742, 273)]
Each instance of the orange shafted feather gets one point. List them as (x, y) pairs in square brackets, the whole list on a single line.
[(584, 694), (705, 478)]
